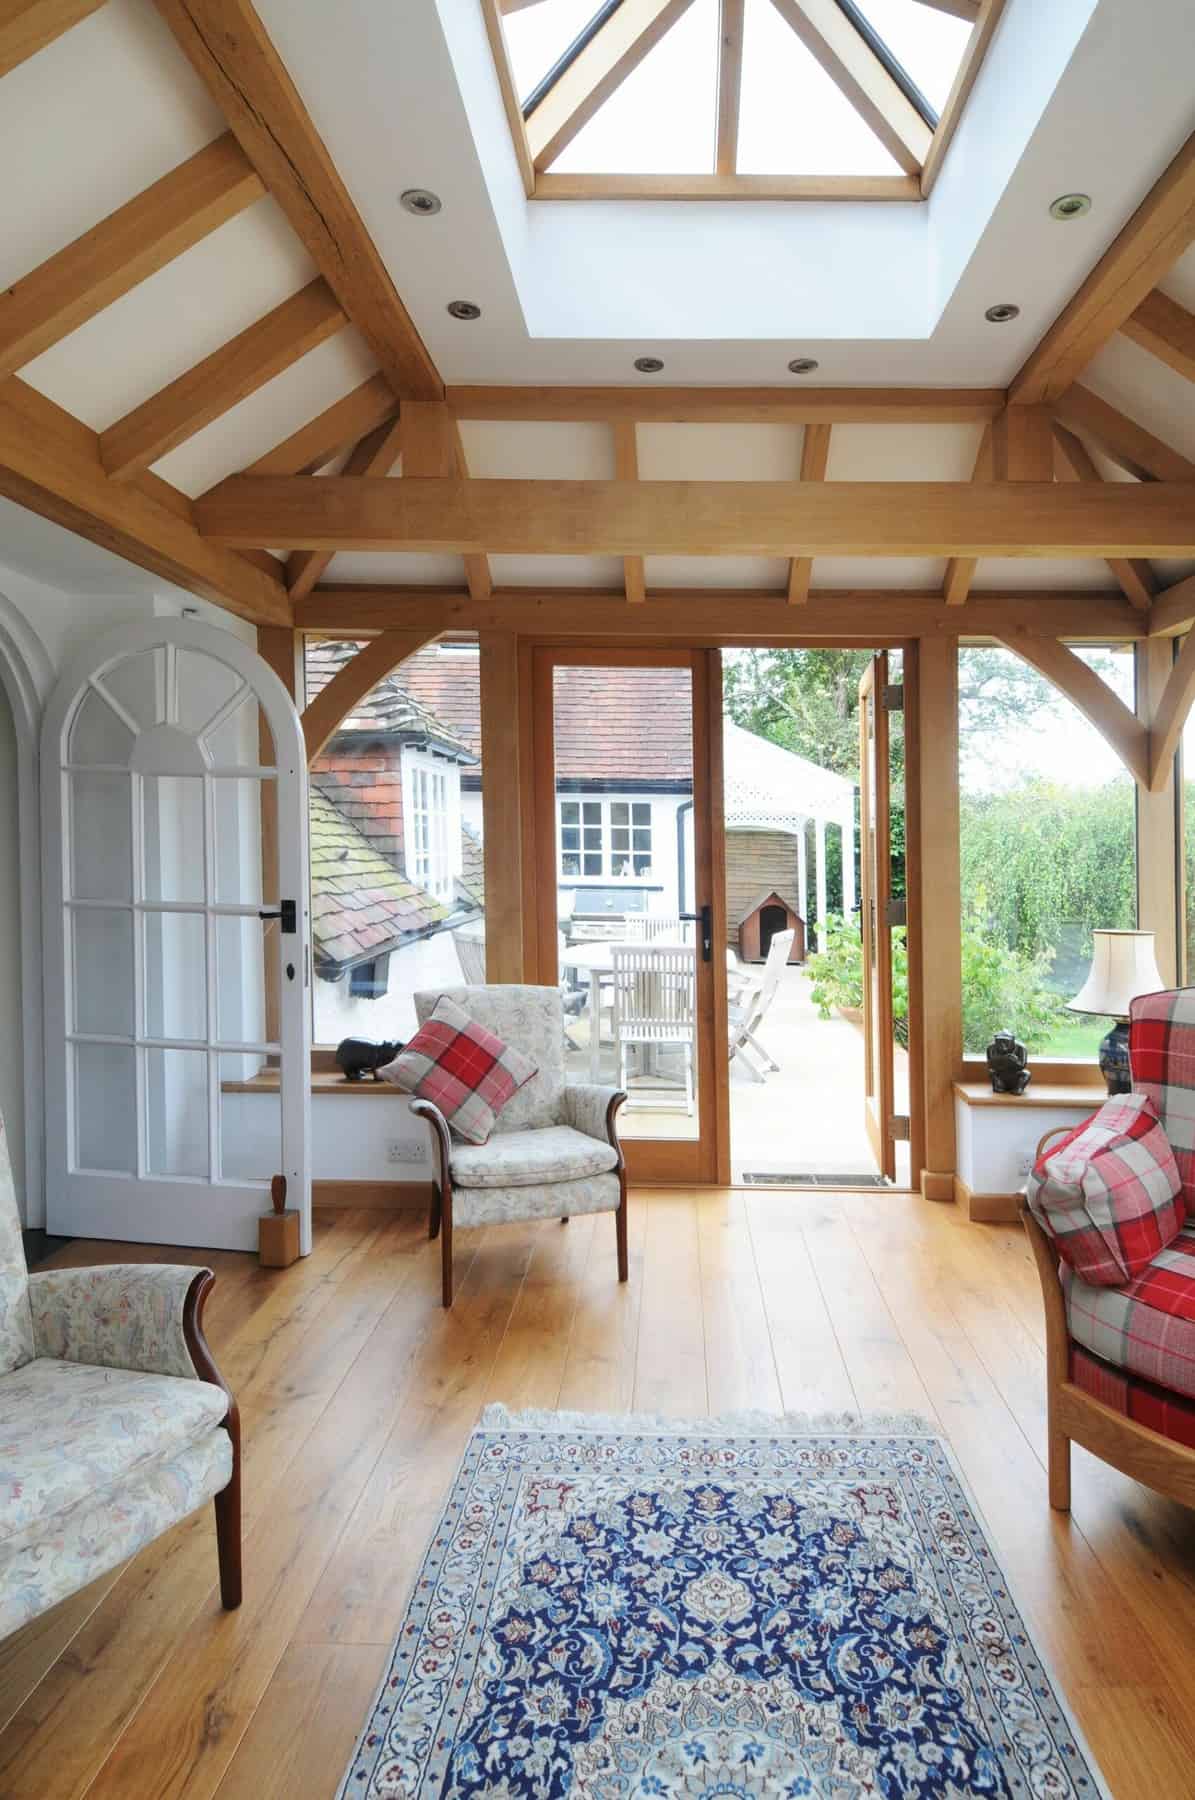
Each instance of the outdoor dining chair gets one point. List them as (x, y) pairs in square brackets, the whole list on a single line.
[(749, 1007), (654, 1010)]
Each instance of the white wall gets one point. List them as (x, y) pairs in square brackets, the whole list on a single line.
[(12, 1104), (429, 963)]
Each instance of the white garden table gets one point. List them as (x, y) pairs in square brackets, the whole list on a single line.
[(596, 960)]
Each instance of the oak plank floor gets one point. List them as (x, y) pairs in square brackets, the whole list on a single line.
[(357, 1392)]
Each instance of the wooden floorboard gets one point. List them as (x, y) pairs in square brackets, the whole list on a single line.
[(357, 1393)]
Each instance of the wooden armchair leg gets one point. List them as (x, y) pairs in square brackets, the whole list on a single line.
[(446, 1258), (228, 1522), (1059, 1469), (434, 1212)]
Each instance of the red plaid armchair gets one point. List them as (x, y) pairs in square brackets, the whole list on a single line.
[(1121, 1360)]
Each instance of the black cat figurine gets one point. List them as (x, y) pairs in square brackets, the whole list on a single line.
[(358, 1057)]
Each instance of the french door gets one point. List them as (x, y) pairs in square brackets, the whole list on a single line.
[(176, 941), (878, 914), (629, 891)]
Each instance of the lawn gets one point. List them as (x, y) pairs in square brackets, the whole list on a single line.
[(1077, 1040)]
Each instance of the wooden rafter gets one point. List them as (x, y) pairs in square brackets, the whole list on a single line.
[(1174, 610), (582, 186), (131, 244), (376, 454), (1023, 444), (1171, 714), (1122, 438), (1137, 580), (29, 25), (729, 406), (228, 46), (986, 16), (960, 570), (853, 65), (815, 455), (432, 448), (1116, 723), (626, 468), (50, 462), (620, 46), (730, 84), (1162, 227), (477, 568), (267, 347), (704, 518), (1166, 329), (492, 11), (350, 684), (739, 615), (335, 430)]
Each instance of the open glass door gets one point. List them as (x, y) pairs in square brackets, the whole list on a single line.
[(629, 915), (877, 915), (177, 941)]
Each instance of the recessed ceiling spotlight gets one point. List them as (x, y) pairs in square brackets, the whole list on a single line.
[(802, 365), (1002, 314), (420, 201), (1070, 206), (649, 365), (464, 309)]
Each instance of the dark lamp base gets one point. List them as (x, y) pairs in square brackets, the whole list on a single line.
[(1114, 1058)]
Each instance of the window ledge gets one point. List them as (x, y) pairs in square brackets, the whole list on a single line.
[(1045, 1093), (322, 1082)]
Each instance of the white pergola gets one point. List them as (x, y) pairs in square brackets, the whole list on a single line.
[(767, 788)]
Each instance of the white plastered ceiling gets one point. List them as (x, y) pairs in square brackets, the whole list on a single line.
[(404, 96)]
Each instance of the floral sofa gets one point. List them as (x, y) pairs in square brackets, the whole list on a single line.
[(114, 1421), (554, 1150), (1120, 1361)]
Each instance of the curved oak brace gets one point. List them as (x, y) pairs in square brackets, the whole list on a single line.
[(372, 663), (1094, 698), (1171, 715)]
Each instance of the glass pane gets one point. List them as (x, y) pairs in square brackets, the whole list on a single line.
[(176, 1112), (237, 806), (102, 961), (242, 739), (537, 36), (250, 1119), (661, 119), (175, 976), (203, 688), (135, 682), (1048, 851), (172, 836), (793, 118), (105, 1108), (101, 856), (928, 44), (98, 735), (242, 948), (641, 1035)]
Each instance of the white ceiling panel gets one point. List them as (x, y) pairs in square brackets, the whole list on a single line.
[(172, 321), (556, 571), (767, 572), (1148, 390), (93, 119), (719, 452), (247, 431), (903, 452), (396, 568), (879, 572), (1043, 573), (529, 450)]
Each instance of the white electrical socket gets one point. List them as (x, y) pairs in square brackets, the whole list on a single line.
[(404, 1150)]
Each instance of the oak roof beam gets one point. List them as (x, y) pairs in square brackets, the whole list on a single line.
[(1128, 444), (1166, 329), (729, 405), (130, 244), (1133, 574), (704, 518)]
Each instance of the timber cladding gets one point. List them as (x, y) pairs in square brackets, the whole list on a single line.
[(756, 862)]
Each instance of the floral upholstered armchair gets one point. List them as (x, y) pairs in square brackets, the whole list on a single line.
[(554, 1150), (114, 1421)]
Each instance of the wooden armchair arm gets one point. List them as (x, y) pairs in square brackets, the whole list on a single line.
[(441, 1136)]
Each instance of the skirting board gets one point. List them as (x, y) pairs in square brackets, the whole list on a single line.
[(987, 1209), (374, 1196), (937, 1187)]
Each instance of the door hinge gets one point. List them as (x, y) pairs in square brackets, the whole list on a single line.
[(894, 697), (896, 913), (898, 1128)]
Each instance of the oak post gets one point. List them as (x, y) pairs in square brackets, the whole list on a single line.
[(942, 1049), (501, 803)]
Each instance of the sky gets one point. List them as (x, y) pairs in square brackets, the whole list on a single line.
[(793, 119)]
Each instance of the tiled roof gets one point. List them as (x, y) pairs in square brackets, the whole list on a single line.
[(389, 709), (447, 683), (472, 877), (360, 905)]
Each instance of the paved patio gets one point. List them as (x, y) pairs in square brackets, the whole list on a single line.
[(805, 1119)]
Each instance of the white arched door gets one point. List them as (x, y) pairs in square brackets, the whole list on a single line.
[(177, 937)]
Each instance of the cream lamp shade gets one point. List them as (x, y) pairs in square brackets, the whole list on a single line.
[(1123, 965)]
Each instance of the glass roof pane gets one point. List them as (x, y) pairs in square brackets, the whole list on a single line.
[(929, 44), (662, 119), (537, 36), (793, 120)]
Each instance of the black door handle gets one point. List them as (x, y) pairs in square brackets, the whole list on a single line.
[(706, 919), (287, 913)]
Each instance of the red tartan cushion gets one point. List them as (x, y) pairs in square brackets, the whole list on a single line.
[(465, 1070), (1109, 1194)]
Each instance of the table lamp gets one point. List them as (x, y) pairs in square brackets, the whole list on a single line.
[(1122, 966)]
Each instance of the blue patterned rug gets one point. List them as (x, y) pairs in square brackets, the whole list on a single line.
[(795, 1610)]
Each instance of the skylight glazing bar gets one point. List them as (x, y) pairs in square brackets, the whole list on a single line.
[(897, 70), (564, 63)]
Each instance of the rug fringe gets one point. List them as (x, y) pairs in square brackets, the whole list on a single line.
[(498, 1417)]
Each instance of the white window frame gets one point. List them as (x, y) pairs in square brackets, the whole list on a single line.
[(606, 827), (431, 823)]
